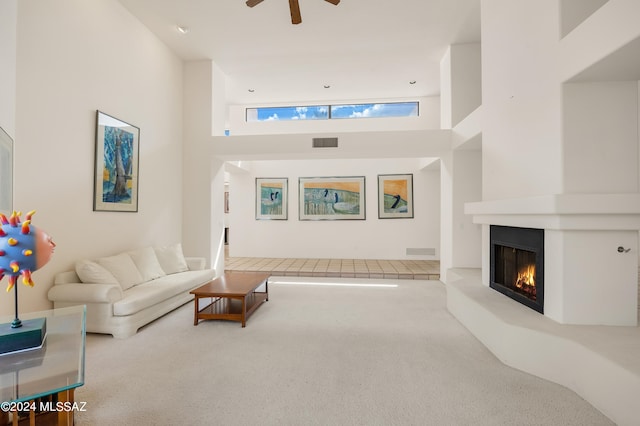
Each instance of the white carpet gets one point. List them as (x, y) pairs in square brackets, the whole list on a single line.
[(319, 355)]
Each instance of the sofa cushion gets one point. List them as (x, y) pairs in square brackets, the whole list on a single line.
[(150, 293), (90, 272), (122, 267), (147, 263), (171, 259)]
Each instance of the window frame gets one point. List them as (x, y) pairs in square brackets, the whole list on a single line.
[(330, 111)]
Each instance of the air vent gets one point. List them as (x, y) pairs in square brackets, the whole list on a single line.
[(325, 142)]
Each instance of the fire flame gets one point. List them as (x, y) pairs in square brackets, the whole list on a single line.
[(526, 280)]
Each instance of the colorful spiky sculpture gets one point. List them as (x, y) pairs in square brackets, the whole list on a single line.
[(23, 249)]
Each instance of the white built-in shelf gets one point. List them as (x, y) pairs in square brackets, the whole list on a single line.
[(467, 134), (588, 54)]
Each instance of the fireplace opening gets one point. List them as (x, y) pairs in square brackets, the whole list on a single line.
[(517, 264)]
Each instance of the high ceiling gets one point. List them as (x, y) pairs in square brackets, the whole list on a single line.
[(362, 49)]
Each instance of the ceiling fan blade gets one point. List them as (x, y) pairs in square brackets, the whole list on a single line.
[(252, 3), (334, 2), (296, 18)]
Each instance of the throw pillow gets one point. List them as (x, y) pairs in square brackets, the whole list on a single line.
[(147, 263), (171, 259), (90, 272), (122, 267)]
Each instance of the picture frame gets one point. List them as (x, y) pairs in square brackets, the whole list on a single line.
[(6, 172), (116, 165), (395, 196), (272, 198), (332, 198)]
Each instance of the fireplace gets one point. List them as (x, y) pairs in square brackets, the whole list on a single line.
[(517, 264)]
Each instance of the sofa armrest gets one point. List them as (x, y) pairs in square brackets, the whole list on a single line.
[(85, 293), (195, 263)]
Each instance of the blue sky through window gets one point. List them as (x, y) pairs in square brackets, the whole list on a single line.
[(321, 112), (293, 113), (395, 109)]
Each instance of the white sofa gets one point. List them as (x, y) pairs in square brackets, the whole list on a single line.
[(126, 291)]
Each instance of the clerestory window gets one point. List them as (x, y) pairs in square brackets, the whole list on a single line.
[(328, 112)]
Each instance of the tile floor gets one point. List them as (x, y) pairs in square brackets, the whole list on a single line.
[(344, 268)]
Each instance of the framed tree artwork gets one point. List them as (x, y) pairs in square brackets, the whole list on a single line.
[(116, 165), (395, 196)]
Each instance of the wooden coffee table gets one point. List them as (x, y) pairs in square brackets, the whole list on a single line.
[(233, 296)]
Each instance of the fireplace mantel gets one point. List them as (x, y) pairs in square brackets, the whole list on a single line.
[(561, 211)]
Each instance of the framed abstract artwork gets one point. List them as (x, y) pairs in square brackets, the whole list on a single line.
[(271, 198), (395, 196), (116, 165), (6, 173), (332, 198)]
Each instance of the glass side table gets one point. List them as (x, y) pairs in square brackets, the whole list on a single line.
[(42, 381)]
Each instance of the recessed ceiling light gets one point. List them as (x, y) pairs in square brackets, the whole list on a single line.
[(251, 90), (182, 29), (326, 86), (412, 82)]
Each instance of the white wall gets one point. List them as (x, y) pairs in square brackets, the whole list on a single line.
[(372, 238), (203, 175), (560, 115), (379, 144), (219, 104), (447, 177), (601, 134), (196, 184), (460, 83), (467, 186), (429, 118), (74, 57), (8, 18), (574, 12), (521, 99), (446, 91)]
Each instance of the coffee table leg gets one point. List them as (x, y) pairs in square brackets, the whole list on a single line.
[(266, 289), (195, 313), (244, 311)]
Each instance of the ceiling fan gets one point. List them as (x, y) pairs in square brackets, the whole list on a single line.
[(296, 18)]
